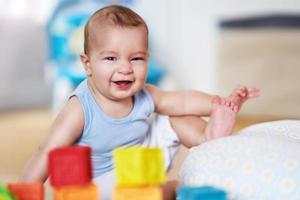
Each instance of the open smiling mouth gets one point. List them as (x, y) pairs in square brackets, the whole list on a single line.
[(123, 84)]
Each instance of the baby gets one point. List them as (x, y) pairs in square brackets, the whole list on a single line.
[(110, 109)]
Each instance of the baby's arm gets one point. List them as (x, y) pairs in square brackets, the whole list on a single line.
[(66, 129), (178, 103)]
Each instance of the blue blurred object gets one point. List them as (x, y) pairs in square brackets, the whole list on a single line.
[(155, 72), (203, 193)]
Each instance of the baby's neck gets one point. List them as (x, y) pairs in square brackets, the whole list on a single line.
[(117, 109)]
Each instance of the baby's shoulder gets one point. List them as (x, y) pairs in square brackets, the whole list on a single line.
[(73, 106)]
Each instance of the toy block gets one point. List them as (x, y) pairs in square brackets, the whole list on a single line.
[(5, 194), (204, 193), (27, 191), (85, 192), (70, 166), (136, 166), (138, 193)]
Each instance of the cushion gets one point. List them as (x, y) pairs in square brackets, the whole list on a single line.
[(259, 162)]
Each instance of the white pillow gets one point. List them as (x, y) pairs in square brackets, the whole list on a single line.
[(261, 162)]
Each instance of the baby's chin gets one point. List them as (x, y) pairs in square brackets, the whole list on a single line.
[(122, 95)]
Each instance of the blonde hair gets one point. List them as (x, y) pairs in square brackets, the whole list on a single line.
[(112, 15)]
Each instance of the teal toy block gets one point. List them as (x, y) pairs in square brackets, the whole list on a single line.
[(203, 193), (5, 194)]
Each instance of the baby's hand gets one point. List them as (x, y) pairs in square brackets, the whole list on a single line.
[(242, 94)]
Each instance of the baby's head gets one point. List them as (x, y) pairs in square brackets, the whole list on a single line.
[(114, 16), (115, 52)]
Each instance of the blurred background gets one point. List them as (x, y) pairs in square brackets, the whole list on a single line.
[(206, 45)]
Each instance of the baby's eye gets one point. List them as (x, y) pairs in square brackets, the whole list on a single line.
[(137, 58), (110, 58)]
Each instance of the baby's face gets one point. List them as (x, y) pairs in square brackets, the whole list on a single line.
[(118, 62)]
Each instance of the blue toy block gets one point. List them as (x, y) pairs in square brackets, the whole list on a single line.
[(203, 193)]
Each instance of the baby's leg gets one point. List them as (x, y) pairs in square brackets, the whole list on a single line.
[(189, 129), (222, 119), (192, 130)]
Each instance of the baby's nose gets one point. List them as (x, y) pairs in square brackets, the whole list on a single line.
[(125, 68)]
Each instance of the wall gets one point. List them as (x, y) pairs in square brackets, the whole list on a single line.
[(23, 54), (186, 33)]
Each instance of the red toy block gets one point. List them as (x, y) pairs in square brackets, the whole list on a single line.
[(69, 166), (27, 191)]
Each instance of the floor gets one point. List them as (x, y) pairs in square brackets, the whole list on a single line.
[(21, 132)]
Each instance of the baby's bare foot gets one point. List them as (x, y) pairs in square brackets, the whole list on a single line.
[(222, 119)]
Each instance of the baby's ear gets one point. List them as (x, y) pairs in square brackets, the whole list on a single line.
[(85, 60)]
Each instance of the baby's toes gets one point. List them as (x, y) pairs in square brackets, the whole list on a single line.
[(216, 100)]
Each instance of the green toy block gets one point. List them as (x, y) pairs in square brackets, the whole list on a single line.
[(137, 166), (5, 194)]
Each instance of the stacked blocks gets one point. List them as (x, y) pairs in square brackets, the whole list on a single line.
[(5, 194), (70, 172), (139, 172), (27, 191), (204, 192)]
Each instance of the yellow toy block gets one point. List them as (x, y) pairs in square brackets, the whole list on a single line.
[(83, 192), (138, 193), (136, 166)]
